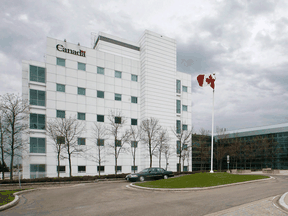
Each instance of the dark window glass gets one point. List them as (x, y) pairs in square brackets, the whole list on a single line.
[(118, 97), (81, 91), (100, 94), (119, 168), (134, 168), (178, 126), (118, 143), (60, 62), (81, 141), (37, 121), (81, 168), (133, 121), (37, 145), (134, 144), (118, 120), (100, 118), (184, 108), (37, 74), (178, 86), (133, 99), (178, 146), (100, 142), (178, 106), (184, 127), (60, 87), (60, 168), (118, 74), (101, 169), (100, 70), (60, 113), (184, 88), (81, 116), (60, 140), (185, 168), (81, 66), (134, 77), (37, 97)]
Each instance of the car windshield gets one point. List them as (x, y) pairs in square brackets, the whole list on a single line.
[(144, 171)]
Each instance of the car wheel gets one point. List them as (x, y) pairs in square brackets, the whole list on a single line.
[(141, 178), (165, 177)]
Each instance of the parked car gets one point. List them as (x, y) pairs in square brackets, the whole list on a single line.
[(149, 173)]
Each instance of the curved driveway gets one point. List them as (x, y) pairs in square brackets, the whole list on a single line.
[(106, 198)]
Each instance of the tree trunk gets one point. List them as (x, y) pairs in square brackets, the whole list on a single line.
[(2, 148), (150, 151), (159, 158), (58, 171), (115, 160), (134, 160), (99, 160), (12, 147)]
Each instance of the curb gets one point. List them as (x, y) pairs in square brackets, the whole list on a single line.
[(282, 203), (196, 189)]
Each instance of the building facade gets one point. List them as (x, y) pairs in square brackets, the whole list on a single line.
[(139, 79)]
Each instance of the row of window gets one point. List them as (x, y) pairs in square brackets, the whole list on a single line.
[(178, 87), (42, 168), (178, 107), (178, 127)]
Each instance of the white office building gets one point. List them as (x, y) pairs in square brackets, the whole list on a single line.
[(138, 78)]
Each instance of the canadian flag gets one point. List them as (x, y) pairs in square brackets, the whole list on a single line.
[(206, 79)]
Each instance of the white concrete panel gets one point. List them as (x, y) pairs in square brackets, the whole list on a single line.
[(81, 83), (60, 105), (81, 74), (71, 98), (50, 59), (109, 64), (91, 85), (91, 68), (100, 63)]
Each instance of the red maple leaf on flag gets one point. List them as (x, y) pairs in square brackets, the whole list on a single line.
[(206, 79)]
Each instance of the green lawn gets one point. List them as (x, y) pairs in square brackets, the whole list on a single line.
[(6, 196), (200, 180)]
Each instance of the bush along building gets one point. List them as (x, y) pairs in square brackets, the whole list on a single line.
[(83, 101)]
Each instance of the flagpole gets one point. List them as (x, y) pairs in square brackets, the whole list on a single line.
[(211, 171)]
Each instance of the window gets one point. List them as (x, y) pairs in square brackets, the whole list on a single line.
[(134, 77), (178, 86), (119, 168), (37, 97), (60, 62), (81, 66), (184, 127), (118, 120), (81, 169), (178, 126), (37, 171), (81, 116), (184, 108), (184, 88), (81, 141), (133, 121), (118, 97), (133, 99), (100, 118), (118, 74), (100, 70), (134, 144), (100, 94), (185, 168), (61, 169), (37, 121), (60, 87), (118, 143), (178, 106), (100, 142), (81, 91), (60, 140), (134, 168), (60, 113), (37, 74), (184, 146), (37, 145), (178, 146), (101, 168)]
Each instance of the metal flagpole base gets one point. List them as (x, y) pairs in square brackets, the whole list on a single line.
[(211, 171)]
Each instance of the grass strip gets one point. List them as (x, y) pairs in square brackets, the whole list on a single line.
[(6, 196), (200, 180)]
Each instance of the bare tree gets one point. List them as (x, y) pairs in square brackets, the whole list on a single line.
[(3, 166), (234, 149), (117, 121), (162, 140), (150, 130), (167, 150), (135, 135), (100, 133), (183, 142), (221, 149), (54, 131), (15, 118)]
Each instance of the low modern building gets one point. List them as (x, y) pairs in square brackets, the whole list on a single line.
[(260, 147), (139, 79)]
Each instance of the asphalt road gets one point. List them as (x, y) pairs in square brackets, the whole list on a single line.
[(106, 198)]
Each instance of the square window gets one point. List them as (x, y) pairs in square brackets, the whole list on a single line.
[(133, 121), (118, 120), (100, 94), (60, 62), (100, 142), (184, 146), (118, 74), (37, 121), (81, 116), (184, 127), (81, 169), (81, 66), (184, 88), (37, 74), (60, 140), (37, 97), (134, 77), (61, 169), (134, 144), (81, 141), (185, 168), (100, 118), (60, 114), (101, 168), (133, 99), (60, 87), (184, 108), (37, 145), (118, 143), (119, 168), (100, 70), (118, 97), (81, 91), (134, 168)]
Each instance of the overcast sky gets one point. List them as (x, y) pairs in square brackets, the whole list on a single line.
[(244, 42)]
